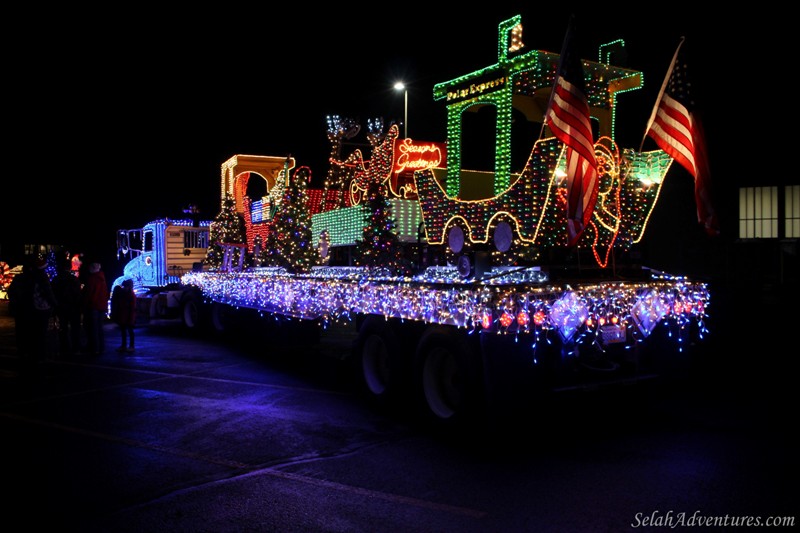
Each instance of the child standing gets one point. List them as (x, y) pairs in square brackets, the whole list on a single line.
[(123, 312)]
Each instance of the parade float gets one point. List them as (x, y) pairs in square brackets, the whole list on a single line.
[(462, 286)]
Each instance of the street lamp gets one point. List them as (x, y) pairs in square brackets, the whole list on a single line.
[(400, 86)]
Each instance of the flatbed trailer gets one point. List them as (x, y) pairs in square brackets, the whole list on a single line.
[(455, 347)]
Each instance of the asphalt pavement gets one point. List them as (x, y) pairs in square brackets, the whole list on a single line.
[(197, 433)]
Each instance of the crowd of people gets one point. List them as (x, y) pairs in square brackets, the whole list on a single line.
[(76, 302)]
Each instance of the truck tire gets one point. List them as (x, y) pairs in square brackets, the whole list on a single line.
[(158, 307), (379, 363), (448, 377)]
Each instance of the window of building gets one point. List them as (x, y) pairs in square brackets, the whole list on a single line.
[(758, 212), (792, 212)]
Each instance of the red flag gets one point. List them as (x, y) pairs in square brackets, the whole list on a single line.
[(678, 131), (569, 119)]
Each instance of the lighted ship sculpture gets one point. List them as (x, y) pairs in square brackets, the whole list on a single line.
[(527, 209)]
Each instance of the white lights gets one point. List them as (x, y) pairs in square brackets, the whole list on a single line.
[(441, 298)]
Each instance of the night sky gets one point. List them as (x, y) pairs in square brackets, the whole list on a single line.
[(116, 119)]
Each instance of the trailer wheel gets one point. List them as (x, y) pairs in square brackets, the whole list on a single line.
[(447, 377), (220, 317), (191, 311), (379, 362)]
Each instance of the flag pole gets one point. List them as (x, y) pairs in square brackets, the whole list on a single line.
[(558, 73), (661, 92)]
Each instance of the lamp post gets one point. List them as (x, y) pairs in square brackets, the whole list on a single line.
[(400, 86)]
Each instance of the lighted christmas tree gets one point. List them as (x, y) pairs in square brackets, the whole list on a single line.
[(289, 242), (227, 228), (379, 246)]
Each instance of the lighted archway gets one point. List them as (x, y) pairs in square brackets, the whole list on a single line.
[(232, 170)]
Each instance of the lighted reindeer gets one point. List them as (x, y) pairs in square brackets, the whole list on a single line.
[(339, 172), (375, 133), (379, 167), (375, 136)]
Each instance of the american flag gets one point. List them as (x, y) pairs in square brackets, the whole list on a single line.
[(678, 131), (568, 118)]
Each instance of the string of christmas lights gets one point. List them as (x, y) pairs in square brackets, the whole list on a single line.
[(433, 297)]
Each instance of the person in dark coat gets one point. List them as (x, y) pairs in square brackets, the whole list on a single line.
[(94, 301), (32, 303), (20, 306), (67, 289), (123, 312)]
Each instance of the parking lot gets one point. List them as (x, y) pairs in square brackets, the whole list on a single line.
[(196, 433)]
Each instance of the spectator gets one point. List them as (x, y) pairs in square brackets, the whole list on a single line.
[(67, 289), (32, 304), (123, 312), (94, 297)]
